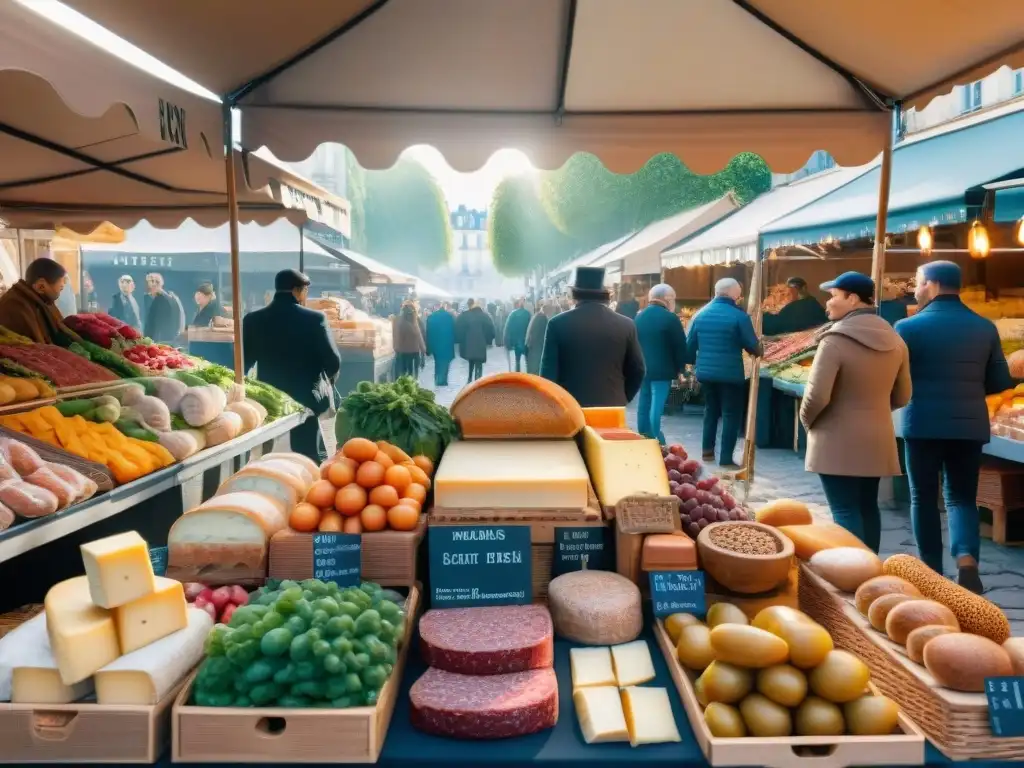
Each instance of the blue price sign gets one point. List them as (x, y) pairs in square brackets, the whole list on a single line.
[(574, 546), (478, 565), (158, 557), (677, 592), (1005, 705), (337, 557)]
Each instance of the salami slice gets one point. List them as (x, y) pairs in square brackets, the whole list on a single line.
[(484, 706), (488, 641)]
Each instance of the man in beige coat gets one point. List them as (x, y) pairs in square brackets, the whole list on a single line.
[(861, 373)]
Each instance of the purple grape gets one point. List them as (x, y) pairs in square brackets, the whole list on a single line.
[(723, 515), (717, 503), (690, 505), (703, 523), (693, 529)]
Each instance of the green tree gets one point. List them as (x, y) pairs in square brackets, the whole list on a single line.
[(355, 189), (520, 234)]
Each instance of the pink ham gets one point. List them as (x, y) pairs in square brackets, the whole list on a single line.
[(484, 706), (488, 641)]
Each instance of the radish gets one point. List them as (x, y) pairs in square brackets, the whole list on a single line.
[(220, 598), (193, 589), (238, 595), (227, 613)]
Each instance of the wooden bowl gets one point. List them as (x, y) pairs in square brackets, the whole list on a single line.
[(746, 574)]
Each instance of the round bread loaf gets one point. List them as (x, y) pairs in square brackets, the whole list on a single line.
[(872, 589), (962, 661), (908, 616)]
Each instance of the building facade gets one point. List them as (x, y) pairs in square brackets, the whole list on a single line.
[(1000, 87)]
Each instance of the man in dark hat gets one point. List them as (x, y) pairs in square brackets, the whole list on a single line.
[(590, 350), (802, 312)]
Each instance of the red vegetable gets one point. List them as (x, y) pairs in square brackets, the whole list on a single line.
[(227, 613), (221, 597), (238, 595)]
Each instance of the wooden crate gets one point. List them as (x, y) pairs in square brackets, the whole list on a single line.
[(956, 722), (279, 735), (904, 748), (85, 732), (1000, 490), (389, 558)]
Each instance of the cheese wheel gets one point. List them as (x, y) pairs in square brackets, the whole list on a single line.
[(28, 670), (297, 458), (595, 607), (516, 405)]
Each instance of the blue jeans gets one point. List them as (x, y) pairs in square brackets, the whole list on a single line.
[(722, 400), (959, 461), (854, 505), (650, 407)]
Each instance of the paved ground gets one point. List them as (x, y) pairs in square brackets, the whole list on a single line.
[(780, 474)]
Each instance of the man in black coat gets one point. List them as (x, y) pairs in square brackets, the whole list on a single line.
[(590, 350), (293, 351), (163, 318)]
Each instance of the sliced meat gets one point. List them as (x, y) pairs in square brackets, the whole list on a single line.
[(488, 641), (484, 706)]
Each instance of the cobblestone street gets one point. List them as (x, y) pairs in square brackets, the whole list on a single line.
[(780, 474)]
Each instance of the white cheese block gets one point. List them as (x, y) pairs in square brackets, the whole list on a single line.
[(599, 710), (28, 670), (633, 663), (511, 474), (152, 617), (622, 468), (118, 568), (649, 716), (590, 667), (82, 635), (144, 677)]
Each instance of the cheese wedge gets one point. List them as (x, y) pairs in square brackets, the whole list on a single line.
[(152, 617), (28, 670), (633, 663), (621, 468), (599, 710), (649, 716), (118, 568), (145, 676), (606, 417), (591, 667), (82, 635)]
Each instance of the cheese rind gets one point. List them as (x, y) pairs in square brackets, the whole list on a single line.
[(28, 669), (509, 474), (82, 635), (599, 711), (649, 716), (591, 667), (605, 417), (152, 617), (621, 468), (118, 568), (633, 663), (145, 676)]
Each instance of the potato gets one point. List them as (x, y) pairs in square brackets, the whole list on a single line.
[(841, 677), (784, 684), (764, 717), (817, 717), (675, 623), (694, 649), (748, 646), (871, 716), (725, 613), (808, 642), (725, 683), (698, 691), (724, 721), (769, 619)]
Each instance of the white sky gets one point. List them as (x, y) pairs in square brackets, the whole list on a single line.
[(472, 189)]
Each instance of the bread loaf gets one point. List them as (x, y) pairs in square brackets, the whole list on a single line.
[(846, 568), (784, 512), (878, 613), (872, 589), (920, 637), (962, 661), (516, 405), (906, 617)]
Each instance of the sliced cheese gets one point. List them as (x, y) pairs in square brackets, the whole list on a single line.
[(649, 716), (276, 484), (621, 468), (28, 669), (633, 663), (605, 417), (590, 667), (118, 568), (82, 635), (145, 676), (599, 711), (152, 617), (508, 474)]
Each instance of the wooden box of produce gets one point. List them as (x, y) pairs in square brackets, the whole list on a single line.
[(282, 735), (389, 558), (956, 722), (905, 746)]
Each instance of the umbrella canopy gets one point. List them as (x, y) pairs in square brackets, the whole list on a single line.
[(621, 80)]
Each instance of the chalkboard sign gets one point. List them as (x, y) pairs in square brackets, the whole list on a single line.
[(337, 557), (158, 557), (478, 565), (573, 546), (677, 592), (1005, 705)]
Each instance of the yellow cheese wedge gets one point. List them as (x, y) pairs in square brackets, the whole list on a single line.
[(599, 710), (590, 667), (649, 717), (28, 669), (82, 635), (633, 663), (605, 417), (152, 617), (621, 468), (118, 568)]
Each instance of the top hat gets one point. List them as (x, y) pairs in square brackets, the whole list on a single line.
[(588, 282)]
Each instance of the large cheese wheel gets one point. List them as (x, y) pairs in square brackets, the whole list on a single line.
[(516, 405), (595, 607)]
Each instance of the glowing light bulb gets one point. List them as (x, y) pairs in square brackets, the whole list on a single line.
[(925, 241), (977, 241)]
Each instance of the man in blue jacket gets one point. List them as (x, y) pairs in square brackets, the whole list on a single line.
[(719, 334), (663, 342), (955, 360), (515, 332)]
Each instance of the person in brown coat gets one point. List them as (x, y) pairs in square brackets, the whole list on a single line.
[(29, 307), (861, 373), (408, 341)]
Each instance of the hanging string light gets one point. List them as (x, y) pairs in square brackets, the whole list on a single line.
[(925, 241), (1020, 231), (977, 241)]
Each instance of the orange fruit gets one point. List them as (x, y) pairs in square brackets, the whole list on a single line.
[(321, 494), (352, 525), (424, 463), (384, 496), (398, 478), (416, 491), (360, 449), (370, 474), (396, 454), (326, 467), (383, 459), (330, 521), (341, 474), (350, 500), (411, 503), (419, 476), (374, 518), (403, 518), (304, 517)]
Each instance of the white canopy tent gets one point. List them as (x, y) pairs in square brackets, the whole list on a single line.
[(585, 260)]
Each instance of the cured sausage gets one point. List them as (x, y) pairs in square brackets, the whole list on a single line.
[(27, 500), (84, 487), (20, 456), (488, 641)]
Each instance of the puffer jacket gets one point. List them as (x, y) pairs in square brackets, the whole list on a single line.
[(719, 334)]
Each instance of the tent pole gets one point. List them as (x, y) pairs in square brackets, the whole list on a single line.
[(878, 255), (755, 308), (236, 277), (302, 251)]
